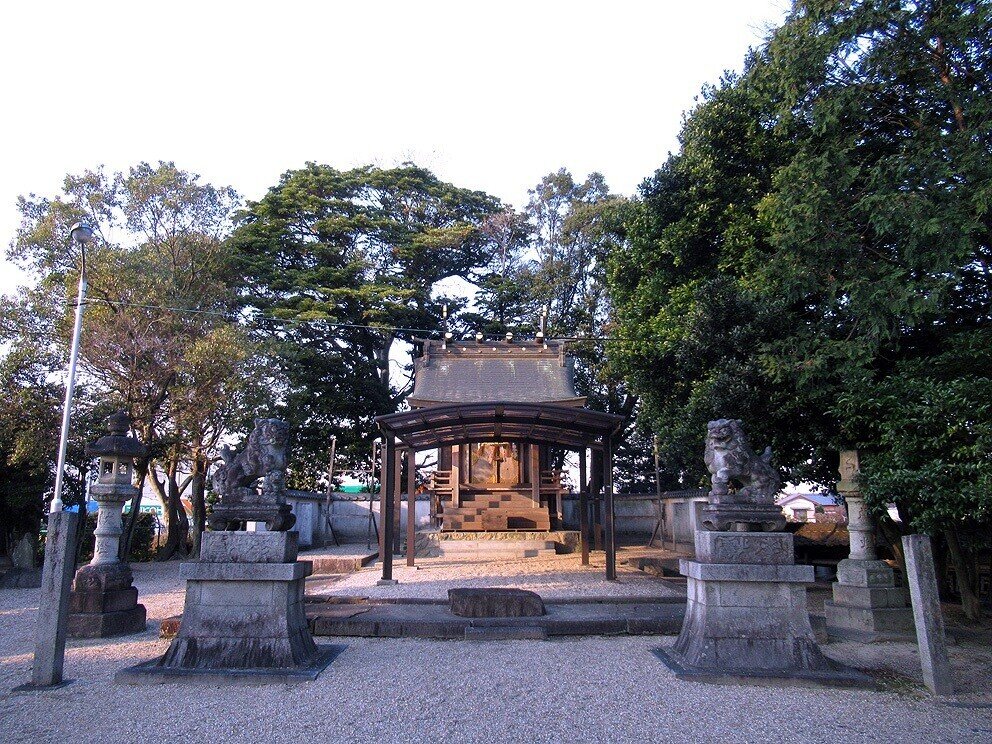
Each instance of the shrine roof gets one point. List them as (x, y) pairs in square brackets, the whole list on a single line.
[(471, 371)]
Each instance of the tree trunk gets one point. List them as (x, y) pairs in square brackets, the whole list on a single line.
[(198, 497), (177, 523), (890, 531), (124, 552), (963, 571)]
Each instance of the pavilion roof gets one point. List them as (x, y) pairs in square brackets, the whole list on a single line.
[(470, 371), (567, 426)]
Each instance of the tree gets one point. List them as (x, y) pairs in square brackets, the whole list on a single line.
[(159, 290), (821, 245), (338, 265)]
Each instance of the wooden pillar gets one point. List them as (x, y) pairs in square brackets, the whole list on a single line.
[(456, 475), (597, 482), (535, 475), (611, 538), (583, 508), (398, 491), (411, 506), (382, 496), (389, 479)]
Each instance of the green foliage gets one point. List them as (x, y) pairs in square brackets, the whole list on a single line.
[(335, 256), (927, 427), (815, 259)]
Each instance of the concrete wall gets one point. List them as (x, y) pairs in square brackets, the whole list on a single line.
[(350, 516)]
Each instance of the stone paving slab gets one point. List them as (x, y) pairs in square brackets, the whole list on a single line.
[(433, 620)]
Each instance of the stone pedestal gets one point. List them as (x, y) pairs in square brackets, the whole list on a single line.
[(867, 605), (746, 616), (103, 603), (243, 619)]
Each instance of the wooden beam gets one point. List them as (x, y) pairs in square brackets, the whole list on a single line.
[(583, 508), (611, 538), (456, 475), (411, 506), (535, 475)]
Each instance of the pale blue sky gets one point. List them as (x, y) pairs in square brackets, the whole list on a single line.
[(489, 95)]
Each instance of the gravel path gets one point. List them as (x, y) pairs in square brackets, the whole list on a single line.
[(404, 690), (552, 577)]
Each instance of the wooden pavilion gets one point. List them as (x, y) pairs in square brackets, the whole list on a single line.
[(497, 413)]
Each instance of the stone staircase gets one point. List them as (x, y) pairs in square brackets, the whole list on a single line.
[(507, 510), (495, 550)]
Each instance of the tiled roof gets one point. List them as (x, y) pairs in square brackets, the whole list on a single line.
[(473, 372)]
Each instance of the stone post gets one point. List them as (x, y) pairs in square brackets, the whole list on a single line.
[(867, 606), (103, 601), (922, 580), (60, 560)]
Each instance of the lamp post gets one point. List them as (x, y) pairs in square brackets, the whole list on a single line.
[(81, 235)]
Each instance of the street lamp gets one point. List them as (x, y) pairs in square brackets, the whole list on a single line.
[(81, 234)]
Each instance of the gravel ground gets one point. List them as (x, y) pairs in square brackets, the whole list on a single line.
[(399, 690)]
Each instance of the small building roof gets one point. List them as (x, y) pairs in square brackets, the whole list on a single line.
[(820, 499), (470, 371)]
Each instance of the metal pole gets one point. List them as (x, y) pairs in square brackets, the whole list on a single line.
[(70, 386)]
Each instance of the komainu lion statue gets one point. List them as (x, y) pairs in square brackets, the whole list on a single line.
[(732, 462), (263, 458), (743, 484)]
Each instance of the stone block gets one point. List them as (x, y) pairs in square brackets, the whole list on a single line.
[(249, 547), (197, 571), (115, 600), (107, 624), (766, 548), (868, 624), (865, 573), (53, 604), (870, 597), (485, 602), (746, 572), (922, 580)]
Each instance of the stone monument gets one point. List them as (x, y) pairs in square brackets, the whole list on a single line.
[(244, 619), (746, 613), (103, 601), (867, 606)]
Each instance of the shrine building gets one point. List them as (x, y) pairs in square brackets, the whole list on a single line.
[(501, 415)]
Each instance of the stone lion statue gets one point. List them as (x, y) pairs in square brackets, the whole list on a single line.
[(733, 464), (263, 458)]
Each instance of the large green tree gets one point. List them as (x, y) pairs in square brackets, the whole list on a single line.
[(815, 260), (159, 293), (339, 265)]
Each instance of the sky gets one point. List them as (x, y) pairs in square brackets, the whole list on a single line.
[(490, 96)]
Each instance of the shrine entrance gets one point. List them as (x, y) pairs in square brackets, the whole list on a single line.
[(495, 453)]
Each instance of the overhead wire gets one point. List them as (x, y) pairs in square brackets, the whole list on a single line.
[(236, 317)]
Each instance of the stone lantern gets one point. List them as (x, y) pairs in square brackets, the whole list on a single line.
[(867, 606), (103, 601)]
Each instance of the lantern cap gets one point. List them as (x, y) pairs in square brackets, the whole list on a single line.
[(117, 443)]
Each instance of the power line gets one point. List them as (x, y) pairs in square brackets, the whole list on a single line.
[(234, 317)]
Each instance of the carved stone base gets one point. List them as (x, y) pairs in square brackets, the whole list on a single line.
[(743, 517), (243, 613), (103, 603), (867, 605), (277, 517), (746, 614)]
